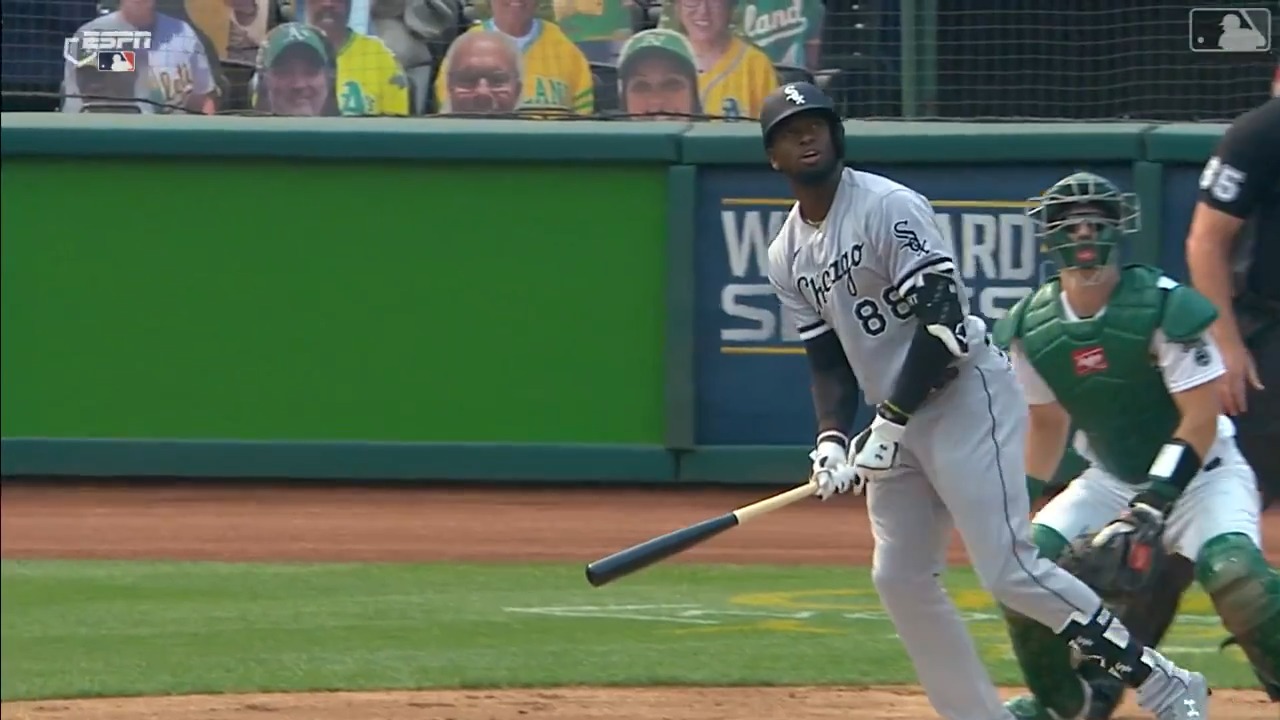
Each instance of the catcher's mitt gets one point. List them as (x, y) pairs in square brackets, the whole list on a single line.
[(1122, 562)]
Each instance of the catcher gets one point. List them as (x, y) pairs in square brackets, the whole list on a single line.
[(1123, 354)]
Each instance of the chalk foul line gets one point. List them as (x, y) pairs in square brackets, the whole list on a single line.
[(695, 614)]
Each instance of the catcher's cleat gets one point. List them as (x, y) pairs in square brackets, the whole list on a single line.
[(1108, 691), (1027, 707), (1271, 687)]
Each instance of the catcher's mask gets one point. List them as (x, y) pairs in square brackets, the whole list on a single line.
[(1084, 197)]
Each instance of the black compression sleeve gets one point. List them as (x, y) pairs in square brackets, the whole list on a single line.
[(928, 359), (835, 389)]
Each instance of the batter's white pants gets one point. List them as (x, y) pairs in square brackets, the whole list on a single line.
[(961, 466)]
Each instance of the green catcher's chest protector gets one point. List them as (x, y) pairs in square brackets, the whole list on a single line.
[(1102, 369)]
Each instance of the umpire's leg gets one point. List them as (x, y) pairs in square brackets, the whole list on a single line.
[(1258, 429)]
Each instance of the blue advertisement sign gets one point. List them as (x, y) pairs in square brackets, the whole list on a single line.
[(1181, 191), (752, 377)]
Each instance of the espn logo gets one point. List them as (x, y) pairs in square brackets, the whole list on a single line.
[(116, 60)]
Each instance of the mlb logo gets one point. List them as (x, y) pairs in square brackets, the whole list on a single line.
[(116, 60), (1088, 361)]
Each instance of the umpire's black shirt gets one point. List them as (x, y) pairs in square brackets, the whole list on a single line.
[(1242, 179)]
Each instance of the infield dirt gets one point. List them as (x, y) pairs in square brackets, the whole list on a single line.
[(249, 522)]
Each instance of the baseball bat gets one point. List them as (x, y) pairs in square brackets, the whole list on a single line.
[(637, 557)]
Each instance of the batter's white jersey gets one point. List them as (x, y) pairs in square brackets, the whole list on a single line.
[(849, 274)]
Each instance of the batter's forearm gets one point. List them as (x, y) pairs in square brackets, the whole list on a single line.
[(937, 306), (834, 387), (924, 368)]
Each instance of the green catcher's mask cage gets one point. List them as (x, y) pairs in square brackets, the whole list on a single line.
[(1078, 199)]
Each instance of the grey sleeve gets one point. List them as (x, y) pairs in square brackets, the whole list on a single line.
[(910, 244)]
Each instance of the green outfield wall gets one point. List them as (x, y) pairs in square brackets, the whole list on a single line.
[(502, 300)]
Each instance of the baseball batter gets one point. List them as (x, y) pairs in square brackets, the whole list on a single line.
[(881, 307), (1126, 356)]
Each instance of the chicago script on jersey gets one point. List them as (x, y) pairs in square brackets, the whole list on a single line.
[(819, 285)]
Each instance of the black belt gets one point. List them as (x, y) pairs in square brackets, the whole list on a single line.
[(1259, 317), (1250, 301)]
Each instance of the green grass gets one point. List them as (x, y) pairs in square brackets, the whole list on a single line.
[(119, 628)]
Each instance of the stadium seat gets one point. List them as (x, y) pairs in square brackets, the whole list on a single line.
[(237, 96), (826, 77), (859, 63), (791, 73), (420, 77), (640, 15), (605, 80)]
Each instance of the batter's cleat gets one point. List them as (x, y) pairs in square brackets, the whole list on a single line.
[(1176, 695)]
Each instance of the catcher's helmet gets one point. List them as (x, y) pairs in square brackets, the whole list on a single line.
[(1114, 213), (793, 99)]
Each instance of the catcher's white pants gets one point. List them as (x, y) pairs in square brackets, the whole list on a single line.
[(1222, 500)]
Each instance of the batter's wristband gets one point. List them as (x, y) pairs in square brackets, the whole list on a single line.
[(1176, 464), (834, 436)]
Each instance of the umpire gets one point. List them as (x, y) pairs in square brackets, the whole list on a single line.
[(1233, 253)]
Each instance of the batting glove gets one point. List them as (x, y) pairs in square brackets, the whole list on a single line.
[(831, 465), (876, 449)]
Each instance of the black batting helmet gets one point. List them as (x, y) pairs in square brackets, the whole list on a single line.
[(793, 99)]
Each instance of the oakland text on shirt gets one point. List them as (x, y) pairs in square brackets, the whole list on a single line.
[(771, 25), (818, 286), (175, 83), (548, 92)]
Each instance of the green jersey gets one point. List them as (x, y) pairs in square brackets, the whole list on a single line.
[(594, 20), (1111, 372)]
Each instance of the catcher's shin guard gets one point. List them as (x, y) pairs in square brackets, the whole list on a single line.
[(1246, 593), (1045, 658), (1148, 620)]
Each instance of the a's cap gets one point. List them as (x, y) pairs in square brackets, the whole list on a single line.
[(656, 39), (289, 35)]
